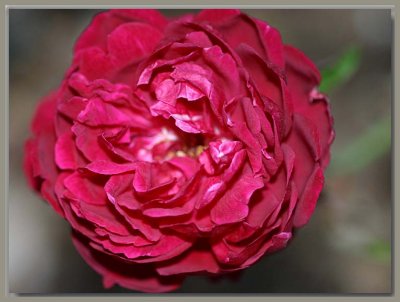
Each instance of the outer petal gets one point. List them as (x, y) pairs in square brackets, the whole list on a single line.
[(96, 33), (193, 261), (272, 43), (39, 162), (167, 245), (235, 28), (30, 155), (44, 116), (303, 78), (105, 22), (217, 16), (309, 198), (304, 162), (114, 271), (132, 41), (149, 16)]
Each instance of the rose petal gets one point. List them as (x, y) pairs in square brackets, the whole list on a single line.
[(309, 197), (66, 154), (289, 158), (95, 34), (186, 164), (262, 207), (47, 191), (165, 245), (98, 113), (273, 43), (132, 41), (309, 133), (102, 215), (85, 189), (44, 115), (133, 276), (94, 63), (194, 261), (119, 191), (216, 15), (72, 107), (150, 16), (233, 205), (105, 167), (303, 77), (88, 143)]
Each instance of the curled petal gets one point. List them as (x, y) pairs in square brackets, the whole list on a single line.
[(66, 154), (119, 191), (87, 190), (152, 252), (233, 205)]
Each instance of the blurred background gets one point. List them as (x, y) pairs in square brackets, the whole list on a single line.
[(346, 247)]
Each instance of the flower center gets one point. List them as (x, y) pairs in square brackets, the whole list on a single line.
[(168, 142), (187, 145)]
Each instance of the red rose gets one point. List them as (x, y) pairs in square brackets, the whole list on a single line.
[(177, 147)]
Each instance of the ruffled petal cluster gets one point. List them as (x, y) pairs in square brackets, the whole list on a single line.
[(174, 147)]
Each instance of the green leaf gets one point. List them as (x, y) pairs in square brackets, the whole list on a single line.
[(380, 251), (363, 150), (344, 68)]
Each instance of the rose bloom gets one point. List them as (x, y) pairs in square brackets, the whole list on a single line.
[(178, 147)]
